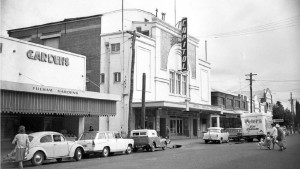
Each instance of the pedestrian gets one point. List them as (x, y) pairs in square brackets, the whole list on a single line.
[(22, 146), (91, 128), (280, 138), (273, 134)]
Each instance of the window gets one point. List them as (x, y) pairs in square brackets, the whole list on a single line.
[(115, 47), (56, 138), (139, 29), (52, 42), (184, 85), (110, 135), (237, 103), (118, 135), (46, 139), (117, 77), (178, 83), (102, 78), (172, 82), (101, 136)]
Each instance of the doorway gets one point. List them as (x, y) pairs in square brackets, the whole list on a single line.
[(176, 127), (195, 127)]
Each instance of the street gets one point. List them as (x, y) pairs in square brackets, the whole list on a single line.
[(191, 155)]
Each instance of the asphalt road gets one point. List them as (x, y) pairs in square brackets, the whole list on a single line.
[(195, 155)]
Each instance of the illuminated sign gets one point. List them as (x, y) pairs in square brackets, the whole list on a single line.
[(44, 57), (184, 44)]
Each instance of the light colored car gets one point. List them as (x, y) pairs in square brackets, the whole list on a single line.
[(216, 134), (105, 142), (51, 145)]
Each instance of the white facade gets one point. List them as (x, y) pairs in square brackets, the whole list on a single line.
[(153, 57), (29, 63)]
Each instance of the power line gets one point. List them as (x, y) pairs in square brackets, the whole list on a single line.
[(285, 23)]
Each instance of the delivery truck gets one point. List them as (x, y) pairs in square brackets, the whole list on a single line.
[(255, 125)]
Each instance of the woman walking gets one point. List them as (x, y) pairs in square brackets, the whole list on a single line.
[(22, 143)]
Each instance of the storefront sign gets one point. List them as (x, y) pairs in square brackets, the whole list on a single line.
[(277, 120), (54, 90), (184, 44), (44, 57), (231, 116)]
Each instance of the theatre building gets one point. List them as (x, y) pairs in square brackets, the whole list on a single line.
[(180, 100), (43, 88)]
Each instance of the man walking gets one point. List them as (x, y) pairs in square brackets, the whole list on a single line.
[(274, 134)]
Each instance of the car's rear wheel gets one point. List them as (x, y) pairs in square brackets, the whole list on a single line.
[(38, 158), (78, 154), (59, 160), (105, 152), (129, 149)]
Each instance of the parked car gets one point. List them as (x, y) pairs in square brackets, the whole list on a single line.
[(234, 133), (51, 145), (105, 142), (216, 134), (147, 140)]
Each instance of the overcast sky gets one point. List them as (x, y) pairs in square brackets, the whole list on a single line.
[(243, 36)]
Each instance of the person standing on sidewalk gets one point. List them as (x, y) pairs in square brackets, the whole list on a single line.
[(274, 134), (22, 146)]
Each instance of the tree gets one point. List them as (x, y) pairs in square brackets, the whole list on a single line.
[(280, 113)]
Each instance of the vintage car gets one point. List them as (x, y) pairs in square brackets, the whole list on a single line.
[(147, 140), (216, 134), (105, 142), (234, 133), (51, 145)]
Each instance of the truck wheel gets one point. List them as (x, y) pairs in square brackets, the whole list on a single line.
[(105, 152), (206, 141), (152, 147), (250, 140)]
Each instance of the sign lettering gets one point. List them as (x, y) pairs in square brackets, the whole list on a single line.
[(184, 44), (44, 57)]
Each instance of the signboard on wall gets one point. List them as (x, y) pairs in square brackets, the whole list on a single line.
[(184, 44)]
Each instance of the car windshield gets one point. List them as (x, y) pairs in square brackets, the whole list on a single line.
[(88, 136), (215, 130)]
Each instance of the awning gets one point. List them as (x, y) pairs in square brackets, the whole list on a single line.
[(38, 103)]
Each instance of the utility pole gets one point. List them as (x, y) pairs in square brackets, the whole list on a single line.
[(292, 103), (133, 33), (251, 74), (143, 102)]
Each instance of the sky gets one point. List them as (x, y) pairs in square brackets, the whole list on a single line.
[(243, 36)]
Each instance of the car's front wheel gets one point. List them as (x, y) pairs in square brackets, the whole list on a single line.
[(129, 149), (221, 141), (38, 158), (105, 152), (78, 154)]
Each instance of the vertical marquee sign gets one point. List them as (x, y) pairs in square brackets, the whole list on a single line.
[(184, 44)]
